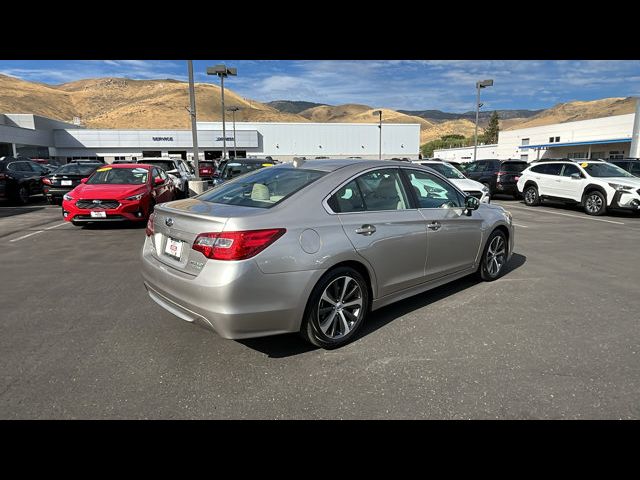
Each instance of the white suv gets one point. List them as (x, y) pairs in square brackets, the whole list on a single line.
[(468, 186), (593, 184)]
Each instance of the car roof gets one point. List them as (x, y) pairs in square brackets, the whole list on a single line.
[(334, 164)]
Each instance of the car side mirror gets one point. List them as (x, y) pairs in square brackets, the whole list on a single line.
[(471, 203), (158, 181), (84, 180), (576, 176)]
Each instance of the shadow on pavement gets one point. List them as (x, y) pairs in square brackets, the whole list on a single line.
[(114, 226), (10, 211), (282, 346)]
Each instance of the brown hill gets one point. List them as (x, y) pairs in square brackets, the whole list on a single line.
[(574, 111), (125, 103)]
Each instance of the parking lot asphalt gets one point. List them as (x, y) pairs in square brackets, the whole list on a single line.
[(557, 337)]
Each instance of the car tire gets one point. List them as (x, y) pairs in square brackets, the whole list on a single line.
[(494, 257), (327, 323), (531, 197), (22, 194), (595, 203)]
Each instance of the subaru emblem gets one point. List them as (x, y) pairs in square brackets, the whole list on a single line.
[(168, 222)]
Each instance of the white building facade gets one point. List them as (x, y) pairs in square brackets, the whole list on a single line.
[(40, 137), (606, 138)]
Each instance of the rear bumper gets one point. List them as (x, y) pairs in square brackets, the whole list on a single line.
[(235, 299), (508, 188)]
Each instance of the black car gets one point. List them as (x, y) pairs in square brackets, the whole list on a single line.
[(206, 169), (631, 165), (500, 176), (65, 179), (234, 168), (20, 178)]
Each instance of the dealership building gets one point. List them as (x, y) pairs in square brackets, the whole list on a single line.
[(40, 137), (607, 138)]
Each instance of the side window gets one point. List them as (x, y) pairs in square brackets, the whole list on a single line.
[(347, 199), (493, 166), (382, 190), (155, 172), (163, 175), (472, 167), (538, 169), (553, 169), (432, 192), (570, 170), (634, 168), (25, 167)]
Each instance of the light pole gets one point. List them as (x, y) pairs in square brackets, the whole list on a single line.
[(479, 85), (379, 112), (192, 113), (233, 111), (222, 71)]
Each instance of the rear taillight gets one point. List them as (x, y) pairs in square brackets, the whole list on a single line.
[(149, 230), (236, 245), (46, 181)]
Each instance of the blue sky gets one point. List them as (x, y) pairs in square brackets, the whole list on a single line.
[(397, 84)]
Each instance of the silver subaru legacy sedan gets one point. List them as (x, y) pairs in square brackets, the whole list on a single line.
[(315, 246)]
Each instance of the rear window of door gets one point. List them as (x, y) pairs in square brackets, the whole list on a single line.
[(569, 170), (431, 191), (378, 190)]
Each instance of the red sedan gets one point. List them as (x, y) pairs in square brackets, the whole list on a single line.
[(118, 193)]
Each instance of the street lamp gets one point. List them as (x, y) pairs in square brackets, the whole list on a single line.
[(234, 110), (479, 85), (379, 112), (222, 71)]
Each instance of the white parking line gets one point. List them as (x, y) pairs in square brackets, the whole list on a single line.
[(36, 232), (521, 226), (566, 215)]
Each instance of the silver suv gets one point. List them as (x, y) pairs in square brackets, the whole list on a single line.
[(176, 168)]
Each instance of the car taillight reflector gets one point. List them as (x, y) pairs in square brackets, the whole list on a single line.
[(149, 230), (236, 245)]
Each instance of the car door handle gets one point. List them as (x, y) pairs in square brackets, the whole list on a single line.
[(435, 226), (366, 230)]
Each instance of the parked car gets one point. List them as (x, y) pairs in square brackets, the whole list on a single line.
[(65, 179), (20, 178), (234, 168), (126, 192), (206, 169), (91, 160), (319, 245), (468, 186), (499, 176), (177, 170), (595, 185), (631, 165)]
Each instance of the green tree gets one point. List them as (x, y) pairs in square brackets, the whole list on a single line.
[(492, 130)]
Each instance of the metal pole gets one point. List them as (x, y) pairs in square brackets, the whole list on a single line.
[(380, 140), (475, 143), (235, 153), (634, 151), (194, 128), (224, 130)]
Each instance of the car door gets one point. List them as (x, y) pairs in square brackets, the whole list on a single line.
[(568, 186), (453, 237), (475, 170), (548, 179), (376, 216)]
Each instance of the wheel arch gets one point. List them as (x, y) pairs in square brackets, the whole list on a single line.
[(363, 270), (590, 188), (529, 183)]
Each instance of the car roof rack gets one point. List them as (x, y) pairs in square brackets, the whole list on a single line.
[(574, 160)]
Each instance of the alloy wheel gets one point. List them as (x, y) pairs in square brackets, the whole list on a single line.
[(496, 255), (530, 196), (340, 307), (594, 203)]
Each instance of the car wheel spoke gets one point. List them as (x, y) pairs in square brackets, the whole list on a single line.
[(328, 322), (345, 324)]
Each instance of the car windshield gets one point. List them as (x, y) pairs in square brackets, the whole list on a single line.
[(166, 165), (604, 170), (513, 166), (119, 176), (445, 169), (83, 169), (234, 169), (263, 188)]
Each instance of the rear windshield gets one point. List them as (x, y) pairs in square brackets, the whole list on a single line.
[(166, 165), (513, 166), (234, 169), (78, 169), (263, 188), (119, 176)]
